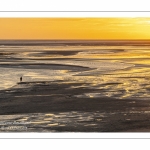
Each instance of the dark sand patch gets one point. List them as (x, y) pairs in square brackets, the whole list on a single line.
[(56, 52), (46, 66), (6, 53), (121, 115)]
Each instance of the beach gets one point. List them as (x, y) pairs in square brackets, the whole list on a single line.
[(74, 86), (48, 106)]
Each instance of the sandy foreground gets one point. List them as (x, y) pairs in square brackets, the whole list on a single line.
[(55, 107)]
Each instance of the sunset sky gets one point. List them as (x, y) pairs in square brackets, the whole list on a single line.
[(75, 28)]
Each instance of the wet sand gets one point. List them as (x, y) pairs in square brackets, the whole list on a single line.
[(108, 114), (74, 86)]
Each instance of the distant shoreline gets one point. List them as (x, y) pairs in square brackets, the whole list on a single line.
[(32, 42)]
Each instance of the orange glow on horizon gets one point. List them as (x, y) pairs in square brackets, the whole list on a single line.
[(75, 28)]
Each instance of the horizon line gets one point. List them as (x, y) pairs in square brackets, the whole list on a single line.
[(78, 39)]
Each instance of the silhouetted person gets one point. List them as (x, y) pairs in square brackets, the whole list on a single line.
[(20, 79)]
